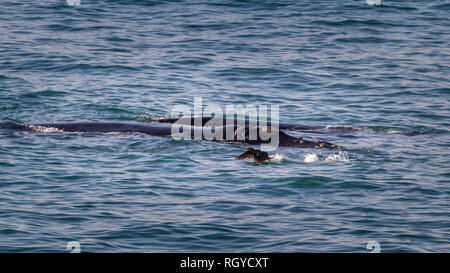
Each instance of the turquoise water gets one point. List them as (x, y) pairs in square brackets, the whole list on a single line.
[(383, 70)]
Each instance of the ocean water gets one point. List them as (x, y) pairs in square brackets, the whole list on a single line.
[(382, 70)]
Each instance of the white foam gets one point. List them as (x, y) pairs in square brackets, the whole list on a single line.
[(309, 158), (393, 131), (340, 157), (44, 129), (374, 2), (277, 158)]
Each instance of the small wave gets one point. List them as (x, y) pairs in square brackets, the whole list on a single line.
[(445, 6), (149, 117), (340, 157), (341, 127), (45, 93), (353, 22), (393, 130), (366, 39), (380, 129)]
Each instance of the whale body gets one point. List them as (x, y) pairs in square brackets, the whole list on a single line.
[(167, 127)]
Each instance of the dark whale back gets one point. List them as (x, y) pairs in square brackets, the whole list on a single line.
[(166, 129), (106, 127), (13, 126), (202, 121)]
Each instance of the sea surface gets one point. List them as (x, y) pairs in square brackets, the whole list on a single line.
[(380, 70)]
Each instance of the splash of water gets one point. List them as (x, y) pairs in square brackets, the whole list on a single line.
[(277, 158), (339, 157), (309, 158)]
